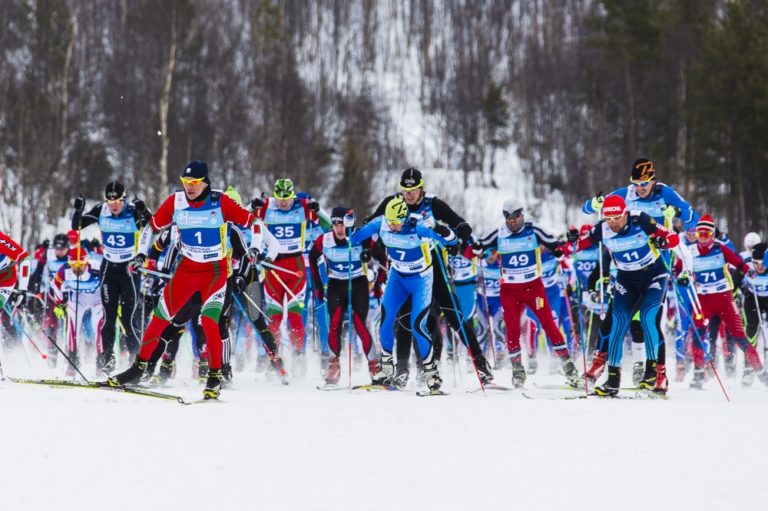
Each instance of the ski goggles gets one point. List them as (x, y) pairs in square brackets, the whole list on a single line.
[(116, 201), (75, 265), (513, 215), (284, 195), (192, 181), (418, 185), (704, 234), (614, 218), (640, 183)]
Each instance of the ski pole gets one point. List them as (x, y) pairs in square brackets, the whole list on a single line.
[(280, 268), (457, 311), (242, 308), (581, 321), (287, 289), (155, 273), (18, 325)]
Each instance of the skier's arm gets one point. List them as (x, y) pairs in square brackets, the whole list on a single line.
[(366, 231), (443, 213), (491, 240), (594, 237), (315, 253), (439, 233), (380, 209), (233, 212), (734, 259), (687, 214), (546, 238), (653, 229), (81, 221)]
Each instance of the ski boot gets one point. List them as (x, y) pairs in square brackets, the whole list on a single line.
[(131, 375), (748, 377), (662, 382), (334, 371), (518, 372), (571, 373), (698, 378), (432, 377), (384, 376), (533, 365), (202, 370), (483, 370), (638, 370), (611, 386), (597, 366), (149, 372), (105, 362), (226, 375), (648, 381), (401, 374), (212, 388), (72, 364), (164, 373)]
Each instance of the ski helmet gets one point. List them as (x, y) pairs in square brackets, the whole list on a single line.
[(60, 241), (642, 170), (232, 194), (512, 208), (758, 252), (338, 213), (396, 211), (411, 179), (115, 191), (614, 206), (196, 169), (284, 189), (750, 240)]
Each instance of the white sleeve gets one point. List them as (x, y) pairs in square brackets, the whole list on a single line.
[(145, 240)]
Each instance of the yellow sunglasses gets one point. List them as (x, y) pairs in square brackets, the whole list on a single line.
[(420, 184), (192, 180)]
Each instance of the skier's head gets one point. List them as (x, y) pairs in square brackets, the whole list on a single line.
[(73, 238), (395, 213), (337, 220), (643, 177), (750, 240), (194, 179), (60, 245), (512, 209), (78, 260), (758, 255), (584, 230), (285, 193), (705, 231), (114, 194), (412, 185), (615, 212)]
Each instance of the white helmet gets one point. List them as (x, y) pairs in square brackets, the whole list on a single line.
[(750, 240), (511, 205)]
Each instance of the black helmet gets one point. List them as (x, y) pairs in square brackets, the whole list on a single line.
[(114, 191), (60, 241)]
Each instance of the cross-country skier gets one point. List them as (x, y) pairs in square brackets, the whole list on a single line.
[(120, 223), (14, 272), (634, 241), (519, 246), (344, 260), (408, 248), (201, 216)]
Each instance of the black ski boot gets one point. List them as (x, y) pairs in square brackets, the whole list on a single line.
[(226, 374), (202, 370), (164, 373), (401, 374), (611, 386), (648, 382), (386, 371), (571, 373), (518, 372), (149, 372), (105, 362), (131, 375), (212, 388), (484, 370)]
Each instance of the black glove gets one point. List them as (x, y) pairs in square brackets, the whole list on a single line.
[(46, 244), (139, 206), (477, 248), (313, 205), (659, 242), (572, 235), (442, 230), (137, 263), (79, 204), (558, 253), (17, 299), (682, 280), (454, 249), (257, 203), (365, 255), (240, 284)]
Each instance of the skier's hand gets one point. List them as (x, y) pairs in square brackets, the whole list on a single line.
[(137, 263), (442, 230), (313, 205), (601, 283), (139, 206), (365, 255), (477, 248), (659, 242), (572, 235), (240, 284), (558, 253), (597, 202), (46, 244), (79, 204), (60, 311), (453, 250), (349, 219), (671, 212), (683, 280), (17, 298), (257, 203)]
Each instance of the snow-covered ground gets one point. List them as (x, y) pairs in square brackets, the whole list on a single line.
[(268, 446)]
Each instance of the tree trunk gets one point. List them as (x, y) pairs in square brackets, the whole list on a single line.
[(165, 100), (682, 130), (630, 151)]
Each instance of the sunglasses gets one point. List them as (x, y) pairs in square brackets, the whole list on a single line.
[(641, 184), (613, 219), (192, 180), (513, 215), (77, 264), (704, 235), (115, 201)]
